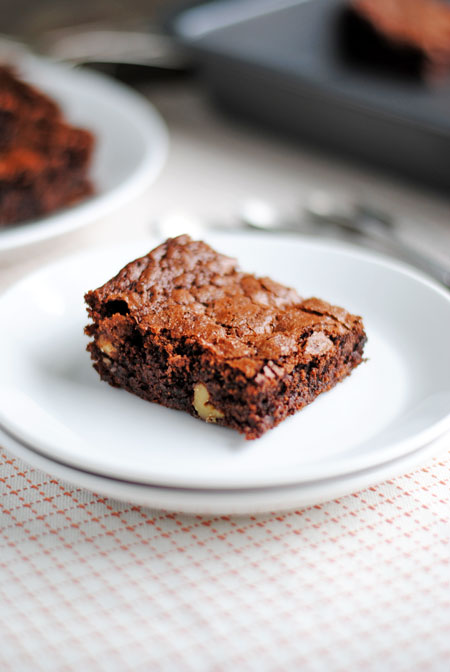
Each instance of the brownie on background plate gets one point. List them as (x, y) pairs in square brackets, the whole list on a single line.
[(184, 327), (415, 31), (44, 161)]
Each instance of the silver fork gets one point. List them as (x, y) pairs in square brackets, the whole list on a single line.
[(359, 219)]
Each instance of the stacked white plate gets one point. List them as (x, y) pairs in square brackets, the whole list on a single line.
[(56, 414)]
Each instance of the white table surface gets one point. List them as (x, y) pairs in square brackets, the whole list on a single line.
[(89, 583)]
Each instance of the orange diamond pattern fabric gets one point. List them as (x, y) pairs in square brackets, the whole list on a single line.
[(360, 583)]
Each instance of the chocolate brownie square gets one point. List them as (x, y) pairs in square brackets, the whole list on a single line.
[(184, 327), (44, 161)]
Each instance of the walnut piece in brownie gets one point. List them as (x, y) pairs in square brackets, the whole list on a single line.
[(44, 161), (184, 327)]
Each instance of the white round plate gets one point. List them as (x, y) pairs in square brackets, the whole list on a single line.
[(226, 502), (397, 401), (131, 145)]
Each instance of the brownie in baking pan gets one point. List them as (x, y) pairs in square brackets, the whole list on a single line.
[(415, 33), (184, 327), (44, 161)]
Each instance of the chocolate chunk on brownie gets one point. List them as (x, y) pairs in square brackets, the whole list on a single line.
[(44, 161), (184, 327)]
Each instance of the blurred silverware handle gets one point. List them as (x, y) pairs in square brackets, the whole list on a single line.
[(422, 261), (383, 231), (82, 45), (372, 224), (114, 46)]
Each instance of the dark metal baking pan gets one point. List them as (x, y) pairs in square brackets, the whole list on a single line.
[(281, 63)]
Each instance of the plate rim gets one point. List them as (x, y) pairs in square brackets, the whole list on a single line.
[(195, 501), (334, 467), (152, 128)]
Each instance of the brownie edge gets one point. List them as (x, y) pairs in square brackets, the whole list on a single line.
[(184, 327)]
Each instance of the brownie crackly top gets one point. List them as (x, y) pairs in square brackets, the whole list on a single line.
[(185, 290)]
